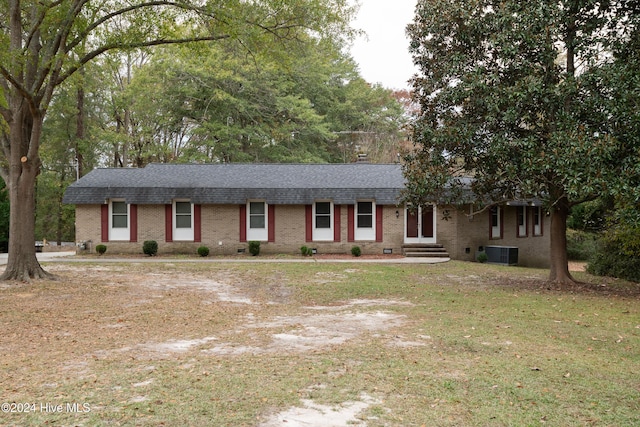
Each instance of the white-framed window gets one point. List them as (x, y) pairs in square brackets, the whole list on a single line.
[(495, 216), (536, 220), (521, 221), (365, 217), (323, 221), (257, 220), (119, 220), (182, 220)]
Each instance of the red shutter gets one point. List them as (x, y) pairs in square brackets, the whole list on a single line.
[(197, 223), (336, 223), (243, 223), (308, 223), (104, 223), (351, 236), (271, 231), (168, 223), (133, 223), (379, 212)]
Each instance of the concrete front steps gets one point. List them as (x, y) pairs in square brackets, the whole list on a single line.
[(425, 250)]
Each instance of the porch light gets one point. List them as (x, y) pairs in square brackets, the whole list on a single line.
[(397, 214)]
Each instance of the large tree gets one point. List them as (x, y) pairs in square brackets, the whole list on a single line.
[(45, 42), (505, 95), (215, 103)]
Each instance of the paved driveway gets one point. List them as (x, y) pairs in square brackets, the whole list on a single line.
[(42, 256)]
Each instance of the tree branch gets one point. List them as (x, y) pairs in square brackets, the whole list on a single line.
[(53, 50), (109, 16), (17, 85), (124, 46), (38, 22)]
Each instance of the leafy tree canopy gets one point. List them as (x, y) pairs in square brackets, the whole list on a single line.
[(512, 94), (218, 103)]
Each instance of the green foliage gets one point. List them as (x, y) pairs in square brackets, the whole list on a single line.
[(610, 260), (54, 220), (150, 247), (356, 251), (214, 99), (482, 257), (254, 247), (203, 251), (306, 251), (581, 245), (101, 249), (590, 216), (618, 252)]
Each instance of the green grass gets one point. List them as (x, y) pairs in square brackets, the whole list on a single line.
[(497, 347)]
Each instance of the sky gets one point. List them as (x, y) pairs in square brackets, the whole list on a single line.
[(383, 55)]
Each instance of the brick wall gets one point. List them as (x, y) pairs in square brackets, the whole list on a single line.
[(221, 231), (460, 234)]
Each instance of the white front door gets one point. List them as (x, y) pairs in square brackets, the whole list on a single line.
[(420, 224)]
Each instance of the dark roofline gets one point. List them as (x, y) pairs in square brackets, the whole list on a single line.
[(236, 183)]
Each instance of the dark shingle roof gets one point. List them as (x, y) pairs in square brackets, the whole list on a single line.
[(236, 183)]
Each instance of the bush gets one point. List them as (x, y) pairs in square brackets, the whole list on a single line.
[(482, 257), (355, 251), (203, 251), (581, 245), (101, 249), (609, 260), (306, 251), (150, 247), (254, 248)]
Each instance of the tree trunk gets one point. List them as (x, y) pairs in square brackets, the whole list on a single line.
[(59, 213), (80, 129), (22, 263), (559, 260)]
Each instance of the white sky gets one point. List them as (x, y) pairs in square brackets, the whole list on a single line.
[(383, 56)]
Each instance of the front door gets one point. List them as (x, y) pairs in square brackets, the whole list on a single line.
[(420, 224)]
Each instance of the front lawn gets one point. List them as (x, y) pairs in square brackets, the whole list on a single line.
[(275, 344)]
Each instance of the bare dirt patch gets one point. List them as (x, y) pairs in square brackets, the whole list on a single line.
[(311, 414), (309, 331)]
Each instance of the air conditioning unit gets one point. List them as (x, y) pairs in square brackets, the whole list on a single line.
[(505, 255)]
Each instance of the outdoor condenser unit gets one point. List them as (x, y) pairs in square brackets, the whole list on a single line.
[(506, 255)]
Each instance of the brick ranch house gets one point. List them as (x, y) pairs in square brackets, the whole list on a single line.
[(327, 207)]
